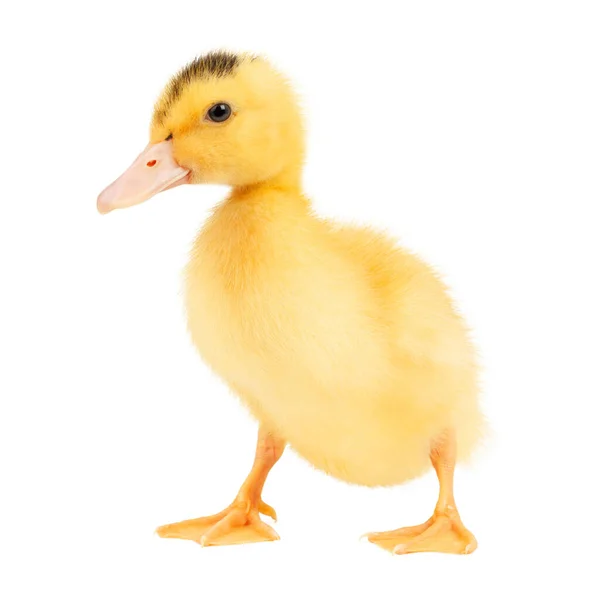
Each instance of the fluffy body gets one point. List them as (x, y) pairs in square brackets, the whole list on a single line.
[(344, 344), (335, 338)]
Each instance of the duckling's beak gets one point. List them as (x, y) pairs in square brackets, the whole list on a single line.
[(153, 171)]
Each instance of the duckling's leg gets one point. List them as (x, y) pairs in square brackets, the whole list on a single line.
[(240, 522), (444, 531)]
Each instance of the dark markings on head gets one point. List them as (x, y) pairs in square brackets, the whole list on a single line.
[(214, 64)]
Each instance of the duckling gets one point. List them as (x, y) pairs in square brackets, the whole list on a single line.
[(341, 344)]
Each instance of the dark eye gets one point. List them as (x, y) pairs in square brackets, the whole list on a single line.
[(219, 112)]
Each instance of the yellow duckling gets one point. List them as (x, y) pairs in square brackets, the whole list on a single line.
[(341, 344)]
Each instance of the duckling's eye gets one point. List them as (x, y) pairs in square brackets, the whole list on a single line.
[(219, 112)]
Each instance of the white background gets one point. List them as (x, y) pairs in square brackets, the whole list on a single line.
[(469, 129)]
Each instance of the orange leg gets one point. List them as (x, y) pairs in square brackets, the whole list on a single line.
[(240, 522), (444, 531)]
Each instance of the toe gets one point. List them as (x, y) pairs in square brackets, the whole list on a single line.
[(267, 510), (191, 529), (234, 519), (403, 531), (264, 531), (433, 531)]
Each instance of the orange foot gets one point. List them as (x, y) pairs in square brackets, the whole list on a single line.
[(239, 523), (444, 532)]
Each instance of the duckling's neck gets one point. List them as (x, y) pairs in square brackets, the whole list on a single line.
[(285, 189), (287, 181)]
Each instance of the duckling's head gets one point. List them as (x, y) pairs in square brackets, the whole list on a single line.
[(224, 118)]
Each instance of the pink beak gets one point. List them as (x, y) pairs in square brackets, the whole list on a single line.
[(153, 171)]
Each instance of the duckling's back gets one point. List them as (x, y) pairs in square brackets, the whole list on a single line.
[(343, 343)]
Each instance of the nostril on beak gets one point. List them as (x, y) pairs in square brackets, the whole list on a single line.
[(150, 163)]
